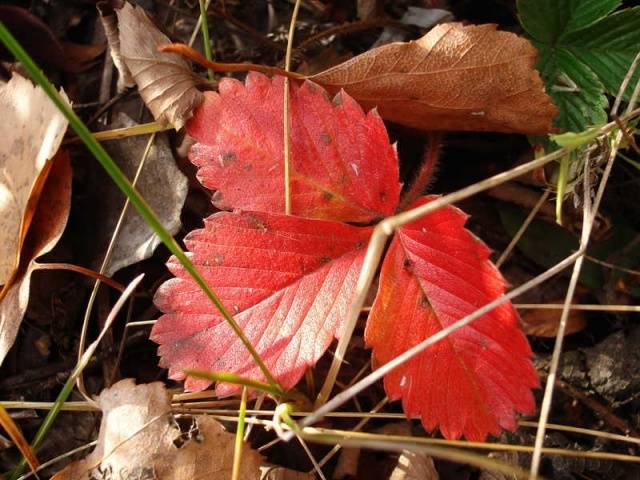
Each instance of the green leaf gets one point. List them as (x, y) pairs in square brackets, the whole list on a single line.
[(547, 20), (608, 47), (585, 53)]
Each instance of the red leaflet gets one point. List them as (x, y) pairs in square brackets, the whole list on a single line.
[(288, 282), (342, 165), (473, 382)]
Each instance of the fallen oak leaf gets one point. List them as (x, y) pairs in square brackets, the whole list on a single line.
[(474, 381), (165, 81), (456, 77), (288, 281), (342, 165), (31, 135), (139, 438), (46, 229)]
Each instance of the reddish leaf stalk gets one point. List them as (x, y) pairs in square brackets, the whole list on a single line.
[(82, 271), (425, 174), (194, 55)]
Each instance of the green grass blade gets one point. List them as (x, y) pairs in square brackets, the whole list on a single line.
[(237, 452), (132, 194), (206, 40), (561, 185)]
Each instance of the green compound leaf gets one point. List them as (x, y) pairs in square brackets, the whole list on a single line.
[(585, 52)]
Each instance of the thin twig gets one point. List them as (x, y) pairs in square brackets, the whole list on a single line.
[(99, 277), (357, 428), (287, 143), (583, 307), (105, 264), (523, 228), (612, 266)]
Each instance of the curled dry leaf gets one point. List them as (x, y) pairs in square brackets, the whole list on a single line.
[(139, 438), (46, 229), (31, 134), (109, 21), (454, 78), (342, 165), (165, 81)]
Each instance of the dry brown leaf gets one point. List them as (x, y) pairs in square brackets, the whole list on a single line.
[(47, 226), (543, 322), (165, 80), (281, 473), (414, 466), (140, 439), (454, 78), (31, 134), (161, 183), (109, 20)]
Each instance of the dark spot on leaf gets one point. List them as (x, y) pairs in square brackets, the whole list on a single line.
[(258, 223), (228, 157), (359, 245), (248, 167), (312, 87), (325, 139), (324, 260), (327, 195), (383, 196), (407, 263), (424, 302)]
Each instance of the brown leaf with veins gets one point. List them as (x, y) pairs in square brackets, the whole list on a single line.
[(46, 228), (140, 438), (456, 77), (165, 80)]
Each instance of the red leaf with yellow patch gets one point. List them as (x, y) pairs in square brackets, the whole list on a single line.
[(474, 381), (288, 281), (342, 165)]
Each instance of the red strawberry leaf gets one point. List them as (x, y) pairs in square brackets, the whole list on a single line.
[(342, 165), (287, 280), (473, 382)]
